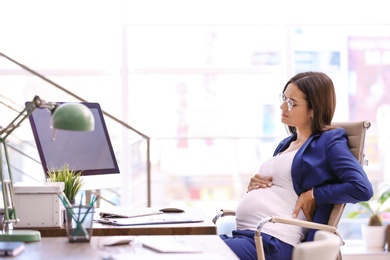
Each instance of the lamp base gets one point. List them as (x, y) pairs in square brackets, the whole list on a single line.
[(20, 235)]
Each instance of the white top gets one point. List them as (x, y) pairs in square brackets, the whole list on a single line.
[(277, 200)]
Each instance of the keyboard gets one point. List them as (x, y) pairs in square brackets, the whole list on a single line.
[(118, 212)]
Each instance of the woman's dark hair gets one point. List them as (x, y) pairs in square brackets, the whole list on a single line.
[(320, 96)]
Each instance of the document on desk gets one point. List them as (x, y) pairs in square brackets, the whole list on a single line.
[(147, 220), (169, 244)]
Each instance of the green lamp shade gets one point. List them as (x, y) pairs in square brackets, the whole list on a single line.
[(73, 116)]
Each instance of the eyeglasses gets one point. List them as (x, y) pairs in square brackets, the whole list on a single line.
[(289, 101)]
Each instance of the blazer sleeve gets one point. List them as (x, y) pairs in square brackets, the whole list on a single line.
[(352, 184)]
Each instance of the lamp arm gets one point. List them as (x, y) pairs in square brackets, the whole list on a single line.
[(8, 201), (25, 113)]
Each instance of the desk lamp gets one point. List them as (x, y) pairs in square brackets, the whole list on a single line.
[(66, 116)]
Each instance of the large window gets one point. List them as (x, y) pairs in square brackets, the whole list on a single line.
[(209, 98)]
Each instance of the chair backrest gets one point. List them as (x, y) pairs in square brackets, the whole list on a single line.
[(326, 246), (356, 132), (356, 136)]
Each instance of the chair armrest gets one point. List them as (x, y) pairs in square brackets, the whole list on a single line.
[(303, 223), (223, 213), (297, 222)]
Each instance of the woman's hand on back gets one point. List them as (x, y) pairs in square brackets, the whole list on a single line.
[(307, 204)]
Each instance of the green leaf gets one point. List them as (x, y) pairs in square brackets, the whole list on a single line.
[(384, 196), (72, 180), (355, 214)]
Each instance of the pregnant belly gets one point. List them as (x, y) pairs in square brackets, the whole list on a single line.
[(261, 203)]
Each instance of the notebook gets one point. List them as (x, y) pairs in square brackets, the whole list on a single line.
[(10, 248), (118, 212)]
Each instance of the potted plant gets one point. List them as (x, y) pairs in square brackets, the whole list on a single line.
[(374, 232), (72, 180)]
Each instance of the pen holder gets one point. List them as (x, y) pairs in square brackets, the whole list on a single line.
[(78, 223)]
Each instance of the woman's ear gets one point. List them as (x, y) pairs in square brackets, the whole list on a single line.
[(311, 113)]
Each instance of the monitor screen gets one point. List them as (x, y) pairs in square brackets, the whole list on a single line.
[(89, 152)]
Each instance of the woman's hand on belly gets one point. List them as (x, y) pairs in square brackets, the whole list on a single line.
[(258, 181)]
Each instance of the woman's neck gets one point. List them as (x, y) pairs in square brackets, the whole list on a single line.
[(302, 137)]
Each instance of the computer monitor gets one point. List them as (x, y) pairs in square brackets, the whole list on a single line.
[(89, 152)]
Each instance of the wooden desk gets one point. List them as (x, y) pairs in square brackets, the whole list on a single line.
[(202, 228), (210, 246)]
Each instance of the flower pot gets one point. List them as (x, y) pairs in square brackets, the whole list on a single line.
[(374, 237)]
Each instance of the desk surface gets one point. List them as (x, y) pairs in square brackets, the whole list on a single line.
[(355, 250), (209, 247), (203, 228)]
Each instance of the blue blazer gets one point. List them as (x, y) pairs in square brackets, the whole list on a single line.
[(324, 162)]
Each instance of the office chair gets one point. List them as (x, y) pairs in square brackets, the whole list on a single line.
[(356, 132)]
